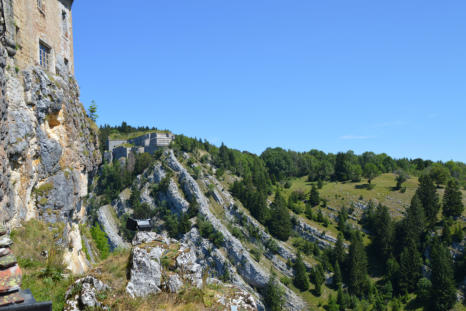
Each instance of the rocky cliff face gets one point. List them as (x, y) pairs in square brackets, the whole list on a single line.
[(48, 148), (48, 145)]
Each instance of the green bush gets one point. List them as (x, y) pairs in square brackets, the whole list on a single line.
[(101, 241)]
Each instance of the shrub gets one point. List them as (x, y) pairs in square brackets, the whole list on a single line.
[(208, 231), (256, 254), (101, 241)]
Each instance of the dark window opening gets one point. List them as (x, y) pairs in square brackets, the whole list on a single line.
[(40, 5), (64, 21), (44, 55)]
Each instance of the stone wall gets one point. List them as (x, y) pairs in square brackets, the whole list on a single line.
[(52, 25)]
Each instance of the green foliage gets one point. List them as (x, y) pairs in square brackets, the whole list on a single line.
[(439, 174), (427, 194), (93, 111), (423, 289), (410, 267), (274, 295), (314, 198), (401, 177), (317, 277), (256, 254), (452, 200), (304, 246), (443, 292), (101, 241), (357, 266), (301, 279), (43, 190), (272, 246), (383, 233), (206, 229), (371, 171), (279, 223)]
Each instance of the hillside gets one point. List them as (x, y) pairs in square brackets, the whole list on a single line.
[(225, 234)]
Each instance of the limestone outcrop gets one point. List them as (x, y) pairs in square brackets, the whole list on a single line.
[(158, 263), (48, 145), (82, 295)]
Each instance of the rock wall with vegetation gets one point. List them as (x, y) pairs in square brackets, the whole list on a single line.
[(48, 148)]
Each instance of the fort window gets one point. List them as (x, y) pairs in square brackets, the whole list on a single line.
[(40, 5), (44, 55), (64, 23)]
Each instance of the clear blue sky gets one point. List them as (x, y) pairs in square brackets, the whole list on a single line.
[(384, 76)]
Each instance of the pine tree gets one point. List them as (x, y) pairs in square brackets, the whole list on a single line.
[(452, 200), (314, 198), (410, 267), (446, 233), (273, 295), (427, 193), (318, 278), (443, 293), (415, 222), (337, 277), (339, 250), (279, 223), (301, 279), (383, 233), (93, 111), (341, 299), (357, 266)]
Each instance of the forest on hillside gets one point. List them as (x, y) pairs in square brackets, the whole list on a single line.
[(381, 263)]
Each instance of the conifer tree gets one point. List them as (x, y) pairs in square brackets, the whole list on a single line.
[(337, 277), (273, 295), (301, 279), (341, 299), (410, 267), (279, 223), (443, 293), (314, 198), (415, 222), (357, 266), (318, 278), (383, 233), (452, 200), (427, 193), (339, 250)]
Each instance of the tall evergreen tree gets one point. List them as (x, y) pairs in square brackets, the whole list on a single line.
[(318, 278), (337, 277), (383, 233), (452, 200), (339, 251), (427, 193), (341, 299), (279, 223), (357, 266), (314, 198), (410, 267), (301, 279), (273, 295), (443, 293), (415, 223)]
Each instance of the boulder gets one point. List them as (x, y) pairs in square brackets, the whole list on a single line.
[(82, 295)]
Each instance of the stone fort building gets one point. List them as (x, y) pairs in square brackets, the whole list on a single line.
[(40, 32), (150, 142)]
